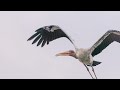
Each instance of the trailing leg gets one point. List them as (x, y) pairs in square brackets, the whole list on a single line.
[(88, 71)]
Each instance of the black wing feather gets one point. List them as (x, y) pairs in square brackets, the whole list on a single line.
[(33, 36), (48, 39), (105, 40), (47, 34), (44, 41), (36, 39), (39, 42)]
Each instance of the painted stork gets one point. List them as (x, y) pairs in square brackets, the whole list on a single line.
[(46, 34)]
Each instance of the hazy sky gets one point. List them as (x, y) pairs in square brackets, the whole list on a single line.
[(19, 59)]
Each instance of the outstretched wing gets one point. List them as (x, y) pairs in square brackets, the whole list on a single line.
[(47, 34), (109, 37)]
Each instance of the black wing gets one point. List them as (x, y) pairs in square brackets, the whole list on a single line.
[(109, 37), (47, 34)]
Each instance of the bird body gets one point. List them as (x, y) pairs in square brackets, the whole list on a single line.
[(47, 34), (84, 56)]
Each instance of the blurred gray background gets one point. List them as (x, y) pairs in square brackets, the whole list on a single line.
[(21, 60)]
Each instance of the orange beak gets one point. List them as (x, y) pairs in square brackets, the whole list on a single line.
[(67, 53)]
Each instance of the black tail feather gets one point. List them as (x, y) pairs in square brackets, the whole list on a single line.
[(95, 63)]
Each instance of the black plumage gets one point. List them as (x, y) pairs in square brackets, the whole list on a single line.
[(109, 37), (47, 34)]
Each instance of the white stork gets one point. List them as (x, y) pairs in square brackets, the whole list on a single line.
[(46, 34)]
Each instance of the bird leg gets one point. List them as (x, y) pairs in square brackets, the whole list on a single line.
[(88, 71), (94, 71)]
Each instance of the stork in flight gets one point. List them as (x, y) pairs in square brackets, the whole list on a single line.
[(46, 34)]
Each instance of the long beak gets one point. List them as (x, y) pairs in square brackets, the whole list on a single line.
[(63, 54)]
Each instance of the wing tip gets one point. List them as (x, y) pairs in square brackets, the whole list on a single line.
[(38, 44), (29, 39), (113, 30), (33, 43)]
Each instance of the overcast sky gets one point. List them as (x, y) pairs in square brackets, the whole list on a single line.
[(19, 59)]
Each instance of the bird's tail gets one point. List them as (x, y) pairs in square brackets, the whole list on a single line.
[(95, 63)]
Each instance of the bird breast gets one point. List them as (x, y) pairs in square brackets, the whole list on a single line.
[(84, 56)]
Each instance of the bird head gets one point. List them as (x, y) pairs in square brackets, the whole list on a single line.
[(67, 53)]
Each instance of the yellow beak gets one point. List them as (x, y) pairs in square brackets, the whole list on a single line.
[(63, 54)]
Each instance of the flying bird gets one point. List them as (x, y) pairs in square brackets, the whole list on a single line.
[(46, 34)]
